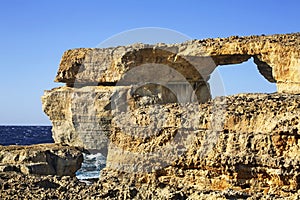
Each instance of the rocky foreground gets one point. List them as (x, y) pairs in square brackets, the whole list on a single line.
[(18, 186), (42, 159)]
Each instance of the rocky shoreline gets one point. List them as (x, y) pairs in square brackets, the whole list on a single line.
[(249, 160), (19, 186), (42, 159)]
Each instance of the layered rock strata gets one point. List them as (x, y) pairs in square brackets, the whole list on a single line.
[(80, 116), (246, 143), (18, 186), (42, 159), (80, 111), (276, 56), (254, 155)]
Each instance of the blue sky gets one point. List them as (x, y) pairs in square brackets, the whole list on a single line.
[(34, 35)]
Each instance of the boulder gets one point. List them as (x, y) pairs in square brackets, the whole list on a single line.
[(42, 159)]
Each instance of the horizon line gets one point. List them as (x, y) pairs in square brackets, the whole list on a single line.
[(25, 124)]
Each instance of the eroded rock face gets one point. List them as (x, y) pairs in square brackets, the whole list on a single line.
[(80, 117), (80, 112), (277, 58), (246, 143), (42, 159), (148, 107)]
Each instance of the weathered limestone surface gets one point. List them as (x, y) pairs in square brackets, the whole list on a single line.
[(80, 117), (247, 143), (19, 186), (148, 108), (42, 159), (277, 58), (237, 147), (244, 145), (80, 112)]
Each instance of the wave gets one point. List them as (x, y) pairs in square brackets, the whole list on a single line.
[(91, 166)]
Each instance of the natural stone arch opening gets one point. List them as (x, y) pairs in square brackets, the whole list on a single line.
[(198, 70), (251, 76)]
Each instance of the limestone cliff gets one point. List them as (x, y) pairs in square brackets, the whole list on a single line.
[(149, 108), (246, 143), (81, 114)]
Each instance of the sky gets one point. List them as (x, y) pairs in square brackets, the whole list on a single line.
[(34, 34)]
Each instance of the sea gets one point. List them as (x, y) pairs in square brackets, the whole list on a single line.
[(28, 135)]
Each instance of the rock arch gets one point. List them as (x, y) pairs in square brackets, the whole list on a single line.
[(277, 58)]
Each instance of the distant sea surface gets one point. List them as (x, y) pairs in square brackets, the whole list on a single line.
[(27, 135)]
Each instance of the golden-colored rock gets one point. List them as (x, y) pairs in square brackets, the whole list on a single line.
[(277, 58), (80, 116), (253, 148), (148, 107)]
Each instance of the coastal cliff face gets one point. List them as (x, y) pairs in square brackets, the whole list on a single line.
[(81, 111), (245, 144), (79, 115), (149, 109)]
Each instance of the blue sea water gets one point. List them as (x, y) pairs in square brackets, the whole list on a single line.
[(27, 135), (91, 167)]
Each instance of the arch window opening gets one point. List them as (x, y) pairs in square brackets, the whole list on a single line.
[(239, 78)]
